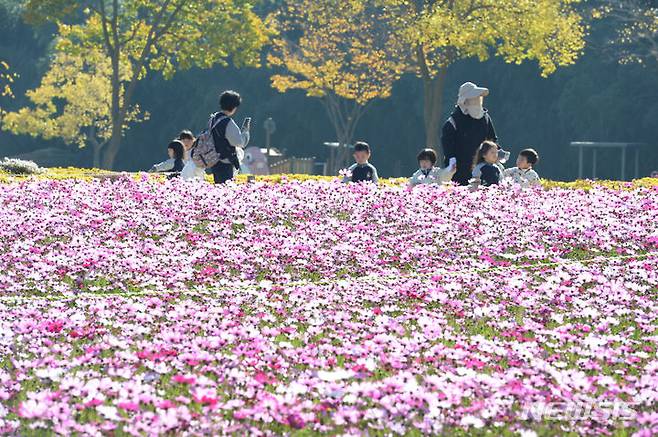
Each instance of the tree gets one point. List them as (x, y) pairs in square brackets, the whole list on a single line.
[(437, 33), (6, 80), (73, 102), (340, 52), (636, 30), (153, 36)]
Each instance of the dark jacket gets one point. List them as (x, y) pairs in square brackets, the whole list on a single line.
[(362, 173), (490, 175), (222, 145), (460, 138)]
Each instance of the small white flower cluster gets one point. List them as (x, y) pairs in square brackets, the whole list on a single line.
[(19, 166)]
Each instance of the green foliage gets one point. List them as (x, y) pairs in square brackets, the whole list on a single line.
[(635, 38), (341, 48), (73, 102), (437, 34), (596, 99), (141, 36), (340, 51)]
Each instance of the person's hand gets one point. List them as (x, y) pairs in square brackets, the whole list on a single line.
[(452, 163)]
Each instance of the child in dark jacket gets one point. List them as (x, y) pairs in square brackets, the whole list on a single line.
[(175, 163), (362, 170), (485, 164)]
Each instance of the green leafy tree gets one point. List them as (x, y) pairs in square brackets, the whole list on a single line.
[(152, 36), (437, 33), (74, 103), (339, 51)]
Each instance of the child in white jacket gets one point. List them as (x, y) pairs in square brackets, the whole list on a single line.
[(428, 173), (190, 170), (523, 174)]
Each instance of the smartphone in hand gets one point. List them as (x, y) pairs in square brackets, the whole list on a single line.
[(246, 124)]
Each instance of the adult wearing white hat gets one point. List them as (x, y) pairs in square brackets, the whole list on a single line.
[(466, 128)]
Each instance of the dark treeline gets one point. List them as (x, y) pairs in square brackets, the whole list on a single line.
[(597, 99)]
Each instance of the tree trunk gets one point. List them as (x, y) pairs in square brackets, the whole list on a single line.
[(433, 109), (114, 144), (96, 146), (97, 156), (344, 117), (112, 149)]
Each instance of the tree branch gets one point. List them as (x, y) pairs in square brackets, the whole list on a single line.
[(106, 35)]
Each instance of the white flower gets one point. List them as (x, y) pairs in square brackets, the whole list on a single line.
[(527, 433), (110, 413), (297, 389), (346, 173), (31, 409), (350, 398), (473, 421), (49, 373), (336, 375)]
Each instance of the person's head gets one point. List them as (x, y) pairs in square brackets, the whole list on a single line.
[(175, 149), (229, 101), (487, 152), (527, 159), (471, 99), (186, 138), (361, 152), (426, 159)]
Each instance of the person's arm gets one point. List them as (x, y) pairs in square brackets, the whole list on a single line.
[(489, 175), (163, 166), (235, 136), (415, 178), (449, 142), (491, 132), (532, 177), (446, 174), (375, 176), (509, 172)]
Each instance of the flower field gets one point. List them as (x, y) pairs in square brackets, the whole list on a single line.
[(142, 307)]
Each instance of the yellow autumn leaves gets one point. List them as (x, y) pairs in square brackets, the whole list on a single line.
[(358, 49), (334, 46), (73, 101)]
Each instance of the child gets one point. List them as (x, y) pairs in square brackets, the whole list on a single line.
[(190, 170), (486, 166), (362, 171), (523, 173), (187, 138), (174, 164), (427, 173)]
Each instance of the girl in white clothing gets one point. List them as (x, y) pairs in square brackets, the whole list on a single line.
[(428, 173), (190, 170)]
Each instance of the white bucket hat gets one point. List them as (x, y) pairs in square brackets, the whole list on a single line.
[(469, 90)]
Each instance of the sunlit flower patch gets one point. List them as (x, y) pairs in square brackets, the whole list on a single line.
[(143, 307)]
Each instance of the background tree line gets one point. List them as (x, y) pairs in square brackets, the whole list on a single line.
[(609, 93)]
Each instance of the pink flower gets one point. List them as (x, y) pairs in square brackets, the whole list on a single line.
[(32, 409), (128, 406), (182, 379), (54, 326)]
